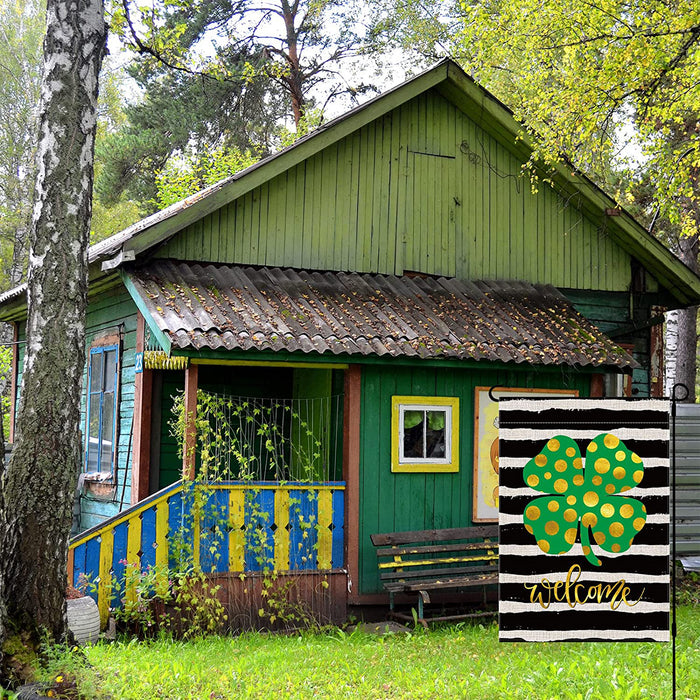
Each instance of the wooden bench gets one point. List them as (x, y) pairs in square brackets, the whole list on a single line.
[(420, 561)]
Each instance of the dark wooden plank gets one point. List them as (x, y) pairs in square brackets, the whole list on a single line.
[(430, 574), (438, 585), (416, 536)]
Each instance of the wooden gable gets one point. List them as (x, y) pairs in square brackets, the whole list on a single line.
[(423, 188)]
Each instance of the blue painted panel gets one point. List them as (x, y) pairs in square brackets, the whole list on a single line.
[(79, 554), (259, 537), (303, 535), (92, 563), (118, 560), (213, 548), (338, 546), (148, 538), (176, 511)]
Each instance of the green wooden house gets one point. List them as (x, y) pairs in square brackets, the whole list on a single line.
[(354, 297)]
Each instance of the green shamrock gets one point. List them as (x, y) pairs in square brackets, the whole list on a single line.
[(584, 495)]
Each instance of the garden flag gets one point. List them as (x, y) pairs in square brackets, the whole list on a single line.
[(584, 520)]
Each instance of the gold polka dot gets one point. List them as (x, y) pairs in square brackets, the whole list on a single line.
[(636, 458), (570, 515), (607, 510), (553, 445), (616, 548), (532, 513), (533, 480), (560, 465), (611, 442), (638, 523), (571, 500), (624, 488), (570, 451), (540, 460), (602, 465), (626, 511), (589, 520), (548, 475), (644, 508), (529, 529), (578, 480), (620, 456), (578, 464), (560, 485), (551, 528), (590, 498), (599, 537), (592, 447), (619, 472), (543, 545), (597, 480), (570, 535), (616, 529), (638, 476), (586, 550), (553, 506), (610, 488)]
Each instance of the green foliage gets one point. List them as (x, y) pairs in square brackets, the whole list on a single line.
[(187, 175), (584, 494), (461, 661), (5, 379), (21, 37)]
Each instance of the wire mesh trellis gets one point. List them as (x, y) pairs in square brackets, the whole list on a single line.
[(265, 439)]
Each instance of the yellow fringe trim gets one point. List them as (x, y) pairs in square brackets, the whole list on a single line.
[(157, 359)]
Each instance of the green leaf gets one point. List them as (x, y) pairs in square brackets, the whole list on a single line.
[(583, 501)]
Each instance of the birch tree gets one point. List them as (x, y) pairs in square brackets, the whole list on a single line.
[(37, 486)]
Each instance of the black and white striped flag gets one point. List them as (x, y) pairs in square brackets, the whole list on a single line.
[(584, 520)]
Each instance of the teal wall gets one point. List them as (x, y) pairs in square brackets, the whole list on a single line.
[(391, 502), (113, 311), (423, 188)]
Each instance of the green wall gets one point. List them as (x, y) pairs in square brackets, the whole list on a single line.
[(391, 502), (422, 188)]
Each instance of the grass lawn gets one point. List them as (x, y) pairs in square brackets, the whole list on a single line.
[(461, 661)]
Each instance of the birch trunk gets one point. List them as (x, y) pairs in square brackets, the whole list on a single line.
[(681, 331), (37, 488)]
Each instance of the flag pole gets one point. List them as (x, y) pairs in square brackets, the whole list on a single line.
[(676, 397)]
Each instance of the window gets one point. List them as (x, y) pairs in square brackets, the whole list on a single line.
[(101, 409), (425, 434)]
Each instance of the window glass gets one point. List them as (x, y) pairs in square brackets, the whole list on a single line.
[(101, 409)]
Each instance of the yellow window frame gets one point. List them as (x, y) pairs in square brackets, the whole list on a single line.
[(451, 462)]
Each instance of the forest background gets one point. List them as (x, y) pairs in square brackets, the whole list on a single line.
[(195, 90)]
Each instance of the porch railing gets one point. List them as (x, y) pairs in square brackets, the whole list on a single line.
[(237, 527)]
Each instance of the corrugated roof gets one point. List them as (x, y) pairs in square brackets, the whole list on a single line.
[(244, 308)]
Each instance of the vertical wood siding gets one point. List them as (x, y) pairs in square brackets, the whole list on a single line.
[(423, 188), (392, 502), (115, 310)]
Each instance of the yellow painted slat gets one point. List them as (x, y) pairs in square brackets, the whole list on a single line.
[(325, 536), (281, 533), (162, 558), (236, 535), (430, 562), (104, 586), (133, 559)]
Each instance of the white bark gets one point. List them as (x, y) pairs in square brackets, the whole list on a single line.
[(40, 478)]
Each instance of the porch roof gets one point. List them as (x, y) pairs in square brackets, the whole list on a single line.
[(227, 307)]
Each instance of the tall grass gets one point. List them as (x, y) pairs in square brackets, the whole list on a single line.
[(462, 661)]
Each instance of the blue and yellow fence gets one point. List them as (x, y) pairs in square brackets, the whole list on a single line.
[(229, 527)]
